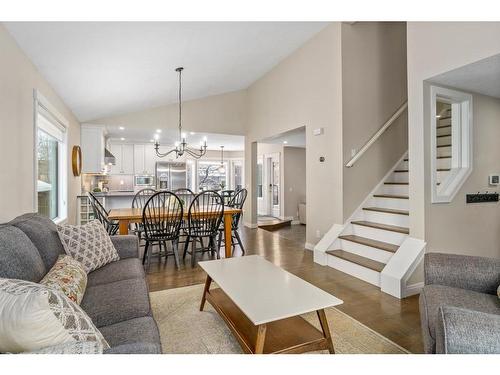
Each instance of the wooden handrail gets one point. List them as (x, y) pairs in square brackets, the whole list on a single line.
[(375, 136)]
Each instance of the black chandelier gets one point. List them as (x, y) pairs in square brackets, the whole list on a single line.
[(181, 147)]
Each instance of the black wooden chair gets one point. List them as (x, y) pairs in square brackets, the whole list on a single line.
[(237, 201), (162, 218), (204, 219), (101, 214), (139, 201), (226, 196)]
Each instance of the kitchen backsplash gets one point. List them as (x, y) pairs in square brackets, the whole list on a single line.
[(113, 183)]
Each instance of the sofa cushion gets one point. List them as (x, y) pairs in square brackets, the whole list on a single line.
[(43, 233), (132, 331), (89, 244), (19, 258), (115, 302), (436, 296), (137, 348), (124, 269)]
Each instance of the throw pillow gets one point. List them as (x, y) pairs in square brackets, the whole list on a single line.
[(68, 276), (35, 317), (89, 244), (498, 291), (72, 348)]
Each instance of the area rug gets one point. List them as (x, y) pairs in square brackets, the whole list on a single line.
[(186, 330)]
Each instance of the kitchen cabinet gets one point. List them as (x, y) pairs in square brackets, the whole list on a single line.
[(150, 159), (124, 155), (92, 144), (139, 166)]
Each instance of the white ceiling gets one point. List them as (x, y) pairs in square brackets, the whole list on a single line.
[(482, 77), (101, 69), (169, 136), (293, 138)]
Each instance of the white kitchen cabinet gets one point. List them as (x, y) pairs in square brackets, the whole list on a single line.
[(139, 161), (124, 155), (92, 145), (150, 159)]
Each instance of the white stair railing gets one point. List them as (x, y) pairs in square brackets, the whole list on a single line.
[(376, 136)]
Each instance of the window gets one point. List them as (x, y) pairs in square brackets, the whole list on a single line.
[(451, 142), (259, 178), (211, 176), (237, 175), (50, 151)]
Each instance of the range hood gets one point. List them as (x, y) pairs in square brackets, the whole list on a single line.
[(109, 158)]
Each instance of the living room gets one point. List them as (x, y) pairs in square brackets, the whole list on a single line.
[(191, 186)]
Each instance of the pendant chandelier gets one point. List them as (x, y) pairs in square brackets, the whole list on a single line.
[(221, 168), (181, 146)]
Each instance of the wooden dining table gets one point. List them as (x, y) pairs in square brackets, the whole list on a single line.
[(125, 216)]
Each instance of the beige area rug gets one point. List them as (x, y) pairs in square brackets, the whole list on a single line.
[(186, 330)]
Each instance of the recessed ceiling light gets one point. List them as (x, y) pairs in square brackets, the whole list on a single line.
[(151, 140), (285, 142), (158, 130), (122, 139), (192, 133), (121, 128)]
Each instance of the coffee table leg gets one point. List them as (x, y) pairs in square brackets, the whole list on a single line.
[(326, 330), (205, 291), (261, 338)]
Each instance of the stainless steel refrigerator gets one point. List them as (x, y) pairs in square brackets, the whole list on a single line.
[(170, 175)]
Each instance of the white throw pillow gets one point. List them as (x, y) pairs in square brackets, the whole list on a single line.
[(34, 317), (89, 244)]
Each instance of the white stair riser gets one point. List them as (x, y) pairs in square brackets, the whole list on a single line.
[(366, 251), (444, 151), (443, 163), (445, 121), (384, 218), (443, 140), (441, 176), (397, 204), (399, 177), (443, 131), (403, 165), (378, 234), (395, 189), (363, 273)]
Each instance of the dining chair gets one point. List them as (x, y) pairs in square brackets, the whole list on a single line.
[(101, 214), (204, 219), (226, 196), (139, 201), (162, 218), (237, 201)]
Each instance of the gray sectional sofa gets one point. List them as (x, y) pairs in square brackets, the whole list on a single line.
[(459, 307), (116, 298)]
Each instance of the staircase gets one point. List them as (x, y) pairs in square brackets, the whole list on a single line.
[(374, 244), (443, 145)]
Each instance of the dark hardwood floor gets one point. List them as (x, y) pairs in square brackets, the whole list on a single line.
[(395, 319)]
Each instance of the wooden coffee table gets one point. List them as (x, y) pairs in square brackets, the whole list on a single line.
[(262, 303)]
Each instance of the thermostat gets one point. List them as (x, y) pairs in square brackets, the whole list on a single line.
[(494, 179)]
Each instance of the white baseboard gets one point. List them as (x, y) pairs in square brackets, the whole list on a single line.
[(309, 246), (251, 225), (413, 289)]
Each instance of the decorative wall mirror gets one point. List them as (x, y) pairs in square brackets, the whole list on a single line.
[(451, 142), (76, 161)]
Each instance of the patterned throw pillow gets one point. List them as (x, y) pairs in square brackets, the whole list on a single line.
[(35, 317), (68, 276), (89, 244)]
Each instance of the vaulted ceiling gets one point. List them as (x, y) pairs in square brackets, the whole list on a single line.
[(101, 69)]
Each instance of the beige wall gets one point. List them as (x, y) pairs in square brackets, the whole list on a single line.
[(294, 175), (435, 48), (305, 89), (18, 78), (472, 229), (373, 88), (224, 114)]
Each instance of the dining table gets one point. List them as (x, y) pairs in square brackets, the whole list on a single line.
[(126, 216)]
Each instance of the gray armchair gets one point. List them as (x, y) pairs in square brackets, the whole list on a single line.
[(459, 307)]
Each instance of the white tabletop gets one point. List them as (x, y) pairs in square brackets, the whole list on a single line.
[(265, 292)]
